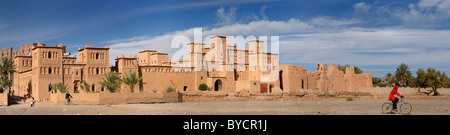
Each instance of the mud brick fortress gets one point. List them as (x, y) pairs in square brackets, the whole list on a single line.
[(40, 65)]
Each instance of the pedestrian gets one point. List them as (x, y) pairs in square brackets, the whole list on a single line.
[(68, 96), (24, 98), (32, 102)]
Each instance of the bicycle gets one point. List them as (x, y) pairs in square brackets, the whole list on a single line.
[(70, 102), (405, 107)]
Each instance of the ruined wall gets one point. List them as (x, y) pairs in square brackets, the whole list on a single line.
[(355, 82), (294, 77), (335, 79), (313, 78), (324, 79)]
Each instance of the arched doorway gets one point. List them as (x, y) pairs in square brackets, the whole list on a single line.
[(218, 85)]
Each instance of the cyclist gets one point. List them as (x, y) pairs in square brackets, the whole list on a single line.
[(393, 98), (68, 96)]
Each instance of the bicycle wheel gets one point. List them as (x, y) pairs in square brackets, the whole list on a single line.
[(405, 108), (387, 107)]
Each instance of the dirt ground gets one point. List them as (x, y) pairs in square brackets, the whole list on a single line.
[(270, 105)]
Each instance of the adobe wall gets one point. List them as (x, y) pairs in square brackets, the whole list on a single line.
[(293, 77), (355, 82), (323, 79), (73, 74), (24, 85), (227, 79), (160, 78), (335, 79), (117, 98), (4, 99), (313, 78), (6, 52), (46, 69), (248, 85)]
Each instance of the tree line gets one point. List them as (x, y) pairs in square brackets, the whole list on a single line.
[(424, 79)]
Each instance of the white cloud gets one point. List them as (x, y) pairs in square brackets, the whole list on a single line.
[(361, 8), (226, 18), (263, 15), (424, 14), (329, 22), (429, 3), (361, 46), (302, 42), (131, 46), (325, 39)]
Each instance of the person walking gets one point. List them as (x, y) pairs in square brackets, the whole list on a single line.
[(68, 96), (32, 102), (24, 98)]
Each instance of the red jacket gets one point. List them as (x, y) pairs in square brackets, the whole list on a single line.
[(394, 91)]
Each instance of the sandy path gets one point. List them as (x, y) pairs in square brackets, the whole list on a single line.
[(328, 107)]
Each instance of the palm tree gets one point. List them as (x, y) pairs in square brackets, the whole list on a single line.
[(6, 68), (85, 86), (402, 75), (111, 81), (131, 79), (4, 84), (388, 76), (389, 79), (62, 87)]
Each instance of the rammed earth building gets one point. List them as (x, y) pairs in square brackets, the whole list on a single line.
[(221, 66)]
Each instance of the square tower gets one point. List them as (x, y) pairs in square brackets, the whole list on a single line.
[(46, 69)]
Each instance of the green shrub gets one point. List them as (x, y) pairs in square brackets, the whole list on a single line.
[(349, 99), (170, 89), (203, 87)]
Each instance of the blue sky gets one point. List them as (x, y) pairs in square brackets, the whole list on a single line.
[(376, 35)]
